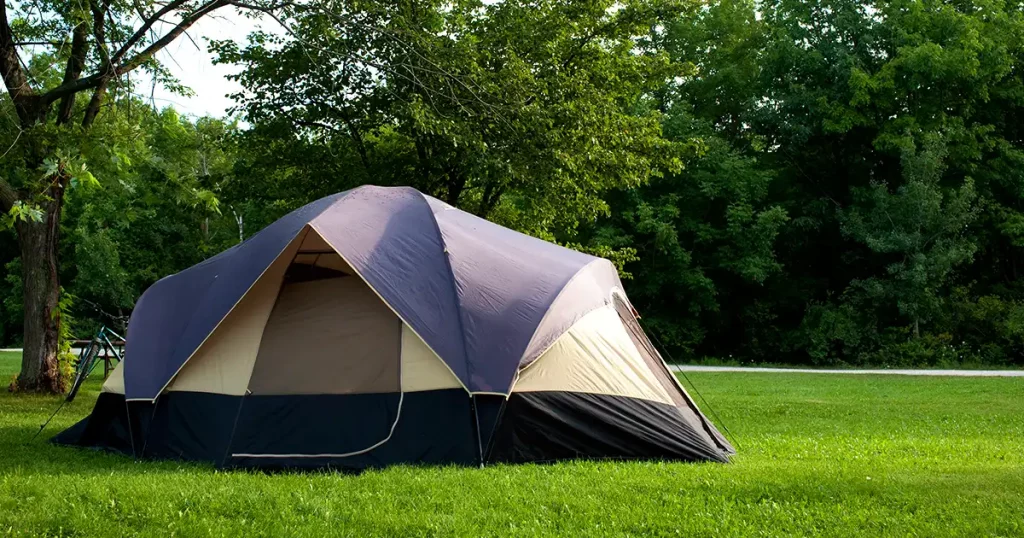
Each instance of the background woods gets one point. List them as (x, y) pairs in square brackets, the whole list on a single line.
[(64, 63), (827, 182)]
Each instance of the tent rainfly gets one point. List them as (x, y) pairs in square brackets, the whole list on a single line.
[(381, 326)]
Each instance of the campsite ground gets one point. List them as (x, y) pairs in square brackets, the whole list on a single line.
[(835, 455)]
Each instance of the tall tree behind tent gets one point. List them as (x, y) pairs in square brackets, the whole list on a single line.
[(153, 216), (96, 44), (523, 113)]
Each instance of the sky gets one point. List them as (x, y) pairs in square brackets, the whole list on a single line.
[(194, 66)]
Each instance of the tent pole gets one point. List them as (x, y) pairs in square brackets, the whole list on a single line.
[(131, 435), (476, 428), (234, 426)]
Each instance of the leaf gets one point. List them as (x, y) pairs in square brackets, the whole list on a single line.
[(20, 211)]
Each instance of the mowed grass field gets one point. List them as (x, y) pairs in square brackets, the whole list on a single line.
[(818, 455)]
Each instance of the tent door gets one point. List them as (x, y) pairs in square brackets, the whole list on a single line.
[(327, 380)]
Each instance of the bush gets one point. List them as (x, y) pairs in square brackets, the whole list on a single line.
[(925, 351)]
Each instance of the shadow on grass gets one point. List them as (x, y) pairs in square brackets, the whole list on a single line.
[(24, 452)]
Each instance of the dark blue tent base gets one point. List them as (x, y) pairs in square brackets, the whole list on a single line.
[(434, 427)]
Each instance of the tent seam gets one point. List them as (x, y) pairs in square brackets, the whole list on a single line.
[(387, 304), (232, 309), (455, 287), (545, 317)]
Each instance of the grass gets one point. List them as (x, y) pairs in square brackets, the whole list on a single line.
[(818, 455), (10, 362)]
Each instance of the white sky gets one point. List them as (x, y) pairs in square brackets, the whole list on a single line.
[(195, 68)]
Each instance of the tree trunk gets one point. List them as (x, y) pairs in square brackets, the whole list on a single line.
[(241, 225), (456, 184), (40, 371)]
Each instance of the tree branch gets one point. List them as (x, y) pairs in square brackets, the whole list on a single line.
[(7, 196), (103, 76), (10, 68), (146, 25), (76, 62), (40, 43), (264, 9), (99, 29), (170, 36), (93, 108)]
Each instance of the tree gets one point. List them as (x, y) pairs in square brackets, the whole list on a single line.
[(521, 112), (921, 230), (156, 214), (98, 43), (704, 239), (841, 102)]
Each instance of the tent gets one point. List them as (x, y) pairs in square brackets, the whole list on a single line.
[(380, 326)]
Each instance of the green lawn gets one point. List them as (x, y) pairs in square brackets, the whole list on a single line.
[(819, 455), (10, 362)]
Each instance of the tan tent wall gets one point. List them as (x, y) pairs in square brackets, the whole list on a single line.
[(329, 336), (223, 363), (333, 261), (313, 242), (115, 381), (329, 261), (687, 407), (421, 368), (596, 355), (649, 354)]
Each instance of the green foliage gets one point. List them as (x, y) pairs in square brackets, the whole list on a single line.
[(24, 212), (829, 182), (888, 134), (701, 237), (920, 228), (990, 327), (154, 212), (157, 213), (65, 356), (522, 112), (11, 320)]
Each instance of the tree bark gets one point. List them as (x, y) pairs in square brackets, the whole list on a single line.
[(40, 371), (489, 199), (357, 137), (93, 108), (79, 49), (456, 184)]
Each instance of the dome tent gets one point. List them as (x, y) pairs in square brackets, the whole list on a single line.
[(380, 326)]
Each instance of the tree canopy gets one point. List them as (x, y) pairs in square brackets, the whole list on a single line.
[(825, 182)]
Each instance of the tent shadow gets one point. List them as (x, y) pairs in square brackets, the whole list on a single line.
[(26, 453)]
